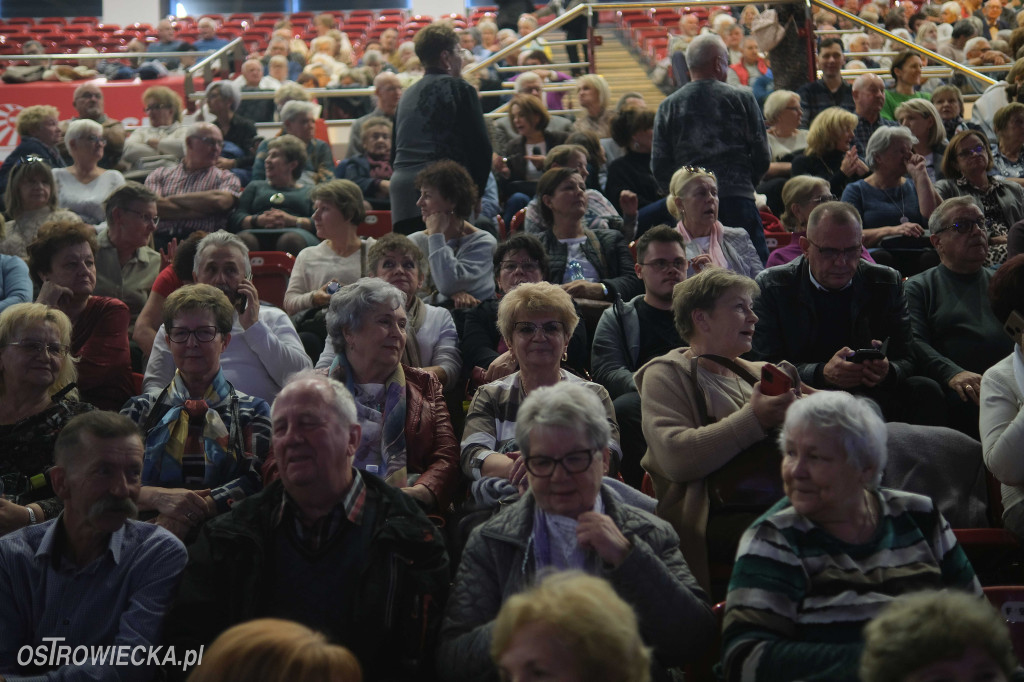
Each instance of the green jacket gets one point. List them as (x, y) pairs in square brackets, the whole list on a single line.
[(398, 600)]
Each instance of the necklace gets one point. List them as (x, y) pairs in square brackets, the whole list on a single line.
[(902, 207)]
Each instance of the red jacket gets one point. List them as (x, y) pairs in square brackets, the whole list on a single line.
[(741, 70)]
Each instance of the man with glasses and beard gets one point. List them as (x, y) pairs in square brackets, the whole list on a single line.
[(92, 576)]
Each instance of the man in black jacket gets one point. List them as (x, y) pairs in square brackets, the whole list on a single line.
[(824, 309), (327, 546)]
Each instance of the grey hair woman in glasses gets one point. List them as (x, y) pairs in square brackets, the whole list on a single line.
[(205, 441)]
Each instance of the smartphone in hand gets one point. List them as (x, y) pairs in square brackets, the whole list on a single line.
[(774, 381), (870, 353)]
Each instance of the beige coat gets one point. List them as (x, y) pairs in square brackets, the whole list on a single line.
[(681, 452)]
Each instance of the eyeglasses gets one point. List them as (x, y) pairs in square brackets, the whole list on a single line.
[(94, 139), (966, 225), (661, 265), (527, 266), (155, 219), (211, 141), (156, 107), (202, 334), (698, 170), (851, 253), (822, 199), (548, 329), (575, 462), (973, 151), (57, 350)]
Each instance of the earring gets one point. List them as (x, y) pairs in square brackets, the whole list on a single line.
[(565, 356)]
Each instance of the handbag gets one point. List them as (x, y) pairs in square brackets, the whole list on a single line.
[(750, 482), (766, 30)]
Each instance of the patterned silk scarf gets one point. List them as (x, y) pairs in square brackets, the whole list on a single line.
[(392, 438), (165, 442), (417, 313)]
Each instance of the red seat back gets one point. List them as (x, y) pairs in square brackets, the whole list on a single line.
[(270, 273)]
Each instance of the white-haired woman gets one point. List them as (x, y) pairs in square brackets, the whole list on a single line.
[(693, 201), (890, 204), (782, 113), (922, 119), (299, 119), (407, 436), (570, 518), (83, 186), (222, 99), (835, 533)]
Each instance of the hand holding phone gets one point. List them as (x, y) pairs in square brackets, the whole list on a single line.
[(774, 381), (870, 353)]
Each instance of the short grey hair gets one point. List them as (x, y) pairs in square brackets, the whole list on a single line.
[(525, 78), (837, 210), (82, 127), (885, 137), (343, 404), (372, 57), (567, 405), (942, 216), (294, 108), (703, 50), (855, 421), (352, 303), (216, 240), (973, 42), (199, 129), (776, 103), (228, 90)]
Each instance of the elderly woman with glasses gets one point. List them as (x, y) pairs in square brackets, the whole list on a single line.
[(299, 119), (62, 262), (31, 200), (890, 204), (83, 186), (834, 551), (966, 165), (39, 135), (569, 518), (165, 135), (407, 437), (37, 399), (205, 441), (536, 321), (519, 259)]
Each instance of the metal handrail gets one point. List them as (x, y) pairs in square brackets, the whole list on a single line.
[(237, 49), (113, 56), (530, 37)]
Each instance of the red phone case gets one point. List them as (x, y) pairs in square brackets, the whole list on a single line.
[(774, 381)]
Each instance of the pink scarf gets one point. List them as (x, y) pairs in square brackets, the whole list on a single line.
[(715, 245)]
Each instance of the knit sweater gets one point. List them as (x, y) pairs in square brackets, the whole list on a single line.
[(317, 265)]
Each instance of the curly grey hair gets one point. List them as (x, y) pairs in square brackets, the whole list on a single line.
[(352, 303)]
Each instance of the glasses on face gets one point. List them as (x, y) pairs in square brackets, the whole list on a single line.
[(202, 334), (57, 350), (527, 266), (145, 217), (156, 107), (661, 265), (966, 225), (973, 151), (851, 253), (94, 139), (822, 199), (548, 329), (211, 141), (575, 462)]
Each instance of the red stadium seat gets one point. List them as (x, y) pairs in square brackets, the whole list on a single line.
[(52, 20), (270, 273), (376, 224)]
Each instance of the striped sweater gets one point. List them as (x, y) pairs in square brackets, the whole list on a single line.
[(799, 596)]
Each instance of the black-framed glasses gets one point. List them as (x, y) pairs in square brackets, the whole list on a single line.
[(527, 266), (57, 350), (202, 334), (155, 219), (661, 264), (575, 462), (973, 151), (550, 328), (965, 225), (847, 254)]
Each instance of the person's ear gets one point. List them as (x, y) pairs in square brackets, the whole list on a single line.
[(606, 461), (936, 239), (59, 481), (225, 340), (355, 435), (805, 245)]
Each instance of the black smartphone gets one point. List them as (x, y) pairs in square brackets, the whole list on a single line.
[(870, 353), (241, 300)]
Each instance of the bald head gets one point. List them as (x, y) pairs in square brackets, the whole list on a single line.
[(868, 96)]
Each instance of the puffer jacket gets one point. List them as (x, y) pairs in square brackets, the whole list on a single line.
[(498, 562), (397, 601), (607, 251)]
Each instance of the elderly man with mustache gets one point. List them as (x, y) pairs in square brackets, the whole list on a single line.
[(91, 577)]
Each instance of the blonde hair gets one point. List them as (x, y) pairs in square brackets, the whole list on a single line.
[(798, 190), (30, 118), (535, 297), (20, 315), (595, 626), (702, 291), (680, 179), (164, 97), (928, 110), (274, 650), (826, 127), (597, 82)]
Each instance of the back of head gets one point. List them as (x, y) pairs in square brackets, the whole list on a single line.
[(273, 650), (703, 51), (432, 41), (918, 630), (591, 624)]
